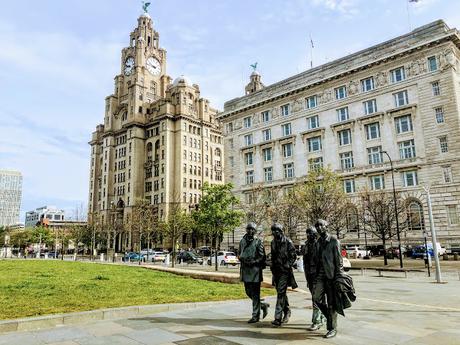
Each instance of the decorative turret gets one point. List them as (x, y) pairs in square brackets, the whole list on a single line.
[(255, 84)]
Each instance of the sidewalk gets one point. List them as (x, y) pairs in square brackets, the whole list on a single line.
[(388, 311)]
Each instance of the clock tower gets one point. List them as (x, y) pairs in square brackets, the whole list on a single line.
[(159, 143)]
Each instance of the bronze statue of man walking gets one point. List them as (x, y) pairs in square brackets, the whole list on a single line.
[(333, 290), (252, 258), (283, 259), (310, 266)]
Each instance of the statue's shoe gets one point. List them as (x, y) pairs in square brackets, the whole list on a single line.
[(330, 334), (253, 320), (315, 326), (276, 322), (286, 316)]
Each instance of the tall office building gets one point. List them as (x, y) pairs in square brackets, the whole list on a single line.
[(401, 96), (159, 142), (10, 197)]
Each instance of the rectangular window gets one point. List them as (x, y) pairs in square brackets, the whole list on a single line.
[(265, 116), (313, 122), (432, 64), (250, 177), (287, 150), (403, 124), (401, 98), (268, 174), (247, 122), (349, 186), (248, 157), (410, 178), (288, 170), (267, 134), (397, 75), (435, 88), (443, 144), (340, 92), (314, 144), (285, 110), (370, 107), (267, 153), (342, 114), (452, 214), (439, 114), (311, 102), (407, 149), (248, 139), (315, 163), (286, 129), (377, 182), (346, 160), (372, 131), (367, 84), (374, 155), (344, 137), (447, 174)]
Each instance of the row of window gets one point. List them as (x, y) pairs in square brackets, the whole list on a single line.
[(195, 184), (401, 98)]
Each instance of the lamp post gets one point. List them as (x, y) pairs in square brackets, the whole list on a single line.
[(396, 209)]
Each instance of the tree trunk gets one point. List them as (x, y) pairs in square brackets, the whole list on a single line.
[(215, 252), (173, 237), (385, 259)]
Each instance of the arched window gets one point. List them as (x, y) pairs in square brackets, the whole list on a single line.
[(415, 216), (218, 152), (149, 147)]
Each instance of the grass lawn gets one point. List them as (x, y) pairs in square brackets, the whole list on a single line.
[(38, 287)]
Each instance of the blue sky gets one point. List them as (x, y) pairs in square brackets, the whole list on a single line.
[(58, 60)]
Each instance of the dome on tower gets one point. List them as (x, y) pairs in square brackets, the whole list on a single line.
[(182, 80), (254, 73), (146, 15)]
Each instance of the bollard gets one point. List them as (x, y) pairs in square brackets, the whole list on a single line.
[(455, 256)]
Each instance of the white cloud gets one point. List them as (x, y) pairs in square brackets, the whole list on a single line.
[(348, 7)]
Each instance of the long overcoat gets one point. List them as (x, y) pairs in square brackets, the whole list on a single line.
[(252, 259)]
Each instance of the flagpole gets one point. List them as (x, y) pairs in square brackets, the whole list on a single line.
[(311, 52), (408, 14)]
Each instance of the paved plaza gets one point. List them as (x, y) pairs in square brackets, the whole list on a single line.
[(389, 310)]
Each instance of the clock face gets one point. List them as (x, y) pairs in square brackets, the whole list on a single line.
[(129, 66), (153, 66)]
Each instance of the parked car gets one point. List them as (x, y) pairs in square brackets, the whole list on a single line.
[(420, 250), (158, 256), (189, 258), (128, 257), (358, 251), (224, 259), (346, 264)]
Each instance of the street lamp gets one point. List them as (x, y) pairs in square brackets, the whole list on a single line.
[(396, 209)]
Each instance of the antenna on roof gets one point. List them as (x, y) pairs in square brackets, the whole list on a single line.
[(311, 51)]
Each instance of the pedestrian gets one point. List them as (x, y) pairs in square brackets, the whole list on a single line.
[(283, 260), (310, 264), (333, 289), (252, 258)]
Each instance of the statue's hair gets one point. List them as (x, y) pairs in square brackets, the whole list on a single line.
[(277, 226), (251, 225), (311, 230), (321, 222)]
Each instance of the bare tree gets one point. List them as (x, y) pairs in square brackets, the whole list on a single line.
[(321, 196), (141, 221), (176, 224), (378, 215)]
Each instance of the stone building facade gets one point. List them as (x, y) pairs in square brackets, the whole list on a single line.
[(10, 197), (401, 96), (159, 142)]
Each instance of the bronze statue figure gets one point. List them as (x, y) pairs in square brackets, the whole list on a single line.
[(283, 259), (333, 289), (310, 265), (252, 258)]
